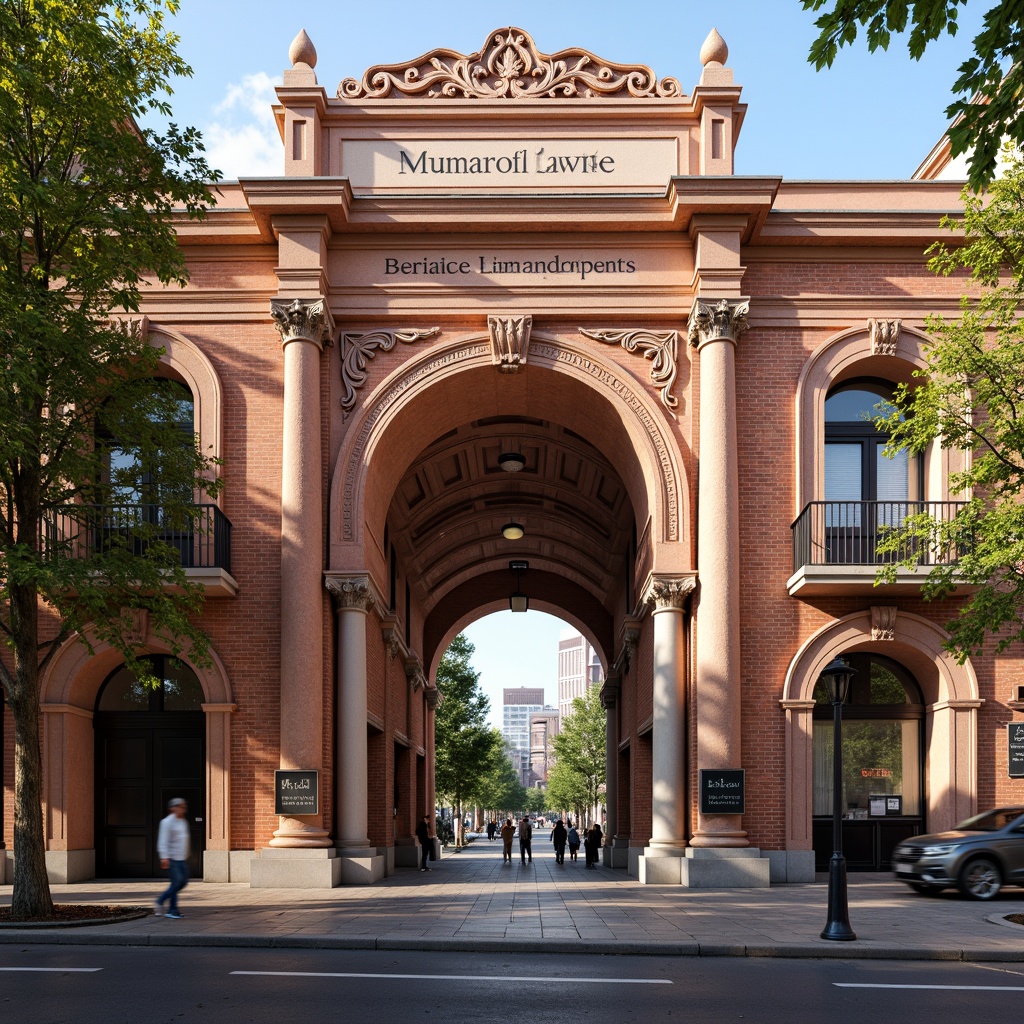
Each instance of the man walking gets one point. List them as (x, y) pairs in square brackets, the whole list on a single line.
[(525, 839), (423, 835), (172, 847), (508, 831), (559, 836)]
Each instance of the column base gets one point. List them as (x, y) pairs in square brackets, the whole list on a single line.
[(616, 853), (295, 868), (228, 865), (361, 866), (789, 866), (720, 868), (64, 866)]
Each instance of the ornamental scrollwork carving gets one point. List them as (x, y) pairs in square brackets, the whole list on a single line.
[(884, 336), (726, 320), (351, 592), (510, 341), (669, 592), (303, 320), (509, 66), (661, 347), (358, 348)]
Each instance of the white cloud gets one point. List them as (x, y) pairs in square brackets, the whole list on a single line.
[(242, 140)]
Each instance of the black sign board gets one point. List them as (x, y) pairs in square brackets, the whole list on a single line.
[(721, 791), (297, 792), (1015, 749)]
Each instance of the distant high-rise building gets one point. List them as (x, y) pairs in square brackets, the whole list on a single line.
[(518, 703), (579, 668), (543, 730)]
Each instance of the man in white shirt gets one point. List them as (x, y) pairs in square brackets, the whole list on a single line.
[(172, 847)]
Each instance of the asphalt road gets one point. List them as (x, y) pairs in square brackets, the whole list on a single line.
[(229, 986)]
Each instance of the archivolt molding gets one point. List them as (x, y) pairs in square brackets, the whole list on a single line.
[(509, 66), (474, 352), (359, 347), (661, 347), (917, 635)]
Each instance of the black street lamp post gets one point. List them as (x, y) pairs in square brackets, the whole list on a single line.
[(836, 677)]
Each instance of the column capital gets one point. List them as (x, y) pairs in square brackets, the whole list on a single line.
[(303, 320), (724, 320), (356, 592), (669, 593)]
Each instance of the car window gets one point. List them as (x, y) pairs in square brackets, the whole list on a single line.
[(990, 821)]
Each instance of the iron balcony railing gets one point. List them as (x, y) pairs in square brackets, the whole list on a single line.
[(78, 531), (848, 533)]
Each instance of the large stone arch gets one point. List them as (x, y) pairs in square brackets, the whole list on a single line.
[(843, 356), (68, 692), (951, 699), (456, 382)]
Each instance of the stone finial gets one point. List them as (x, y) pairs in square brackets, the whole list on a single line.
[(302, 50), (714, 50)]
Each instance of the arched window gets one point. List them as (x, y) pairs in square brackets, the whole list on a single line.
[(179, 689), (865, 490), (882, 761)]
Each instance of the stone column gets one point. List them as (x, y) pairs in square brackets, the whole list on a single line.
[(304, 325), (668, 735), (612, 843), (714, 328), (432, 699)]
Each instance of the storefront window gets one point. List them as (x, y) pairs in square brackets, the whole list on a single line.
[(881, 743)]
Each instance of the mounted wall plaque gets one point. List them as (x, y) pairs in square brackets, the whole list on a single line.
[(722, 790), (1015, 749), (297, 792)]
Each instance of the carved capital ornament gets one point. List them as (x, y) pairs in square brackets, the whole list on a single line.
[(508, 67), (351, 592), (669, 593), (303, 320), (726, 320)]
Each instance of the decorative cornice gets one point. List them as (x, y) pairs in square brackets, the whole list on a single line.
[(392, 637), (432, 695), (884, 336), (669, 592), (303, 320), (724, 321), (610, 690), (509, 66), (883, 622), (629, 637), (510, 341), (352, 592), (415, 674), (357, 348), (661, 347)]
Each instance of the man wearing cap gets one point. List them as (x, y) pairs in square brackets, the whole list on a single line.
[(172, 847)]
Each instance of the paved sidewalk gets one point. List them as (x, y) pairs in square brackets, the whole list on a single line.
[(471, 901)]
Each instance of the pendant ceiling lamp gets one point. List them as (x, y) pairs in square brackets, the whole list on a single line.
[(518, 601), (512, 462)]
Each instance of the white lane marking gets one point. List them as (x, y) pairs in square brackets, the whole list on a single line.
[(56, 970), (459, 977), (941, 988)]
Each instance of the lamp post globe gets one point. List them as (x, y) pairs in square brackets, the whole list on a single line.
[(836, 676)]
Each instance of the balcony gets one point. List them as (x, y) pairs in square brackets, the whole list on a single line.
[(204, 547), (835, 546)]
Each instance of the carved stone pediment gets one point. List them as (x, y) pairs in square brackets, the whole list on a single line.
[(509, 66), (510, 341)]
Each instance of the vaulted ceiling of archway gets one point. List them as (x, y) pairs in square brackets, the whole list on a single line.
[(447, 512)]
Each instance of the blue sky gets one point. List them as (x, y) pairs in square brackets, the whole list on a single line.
[(870, 116)]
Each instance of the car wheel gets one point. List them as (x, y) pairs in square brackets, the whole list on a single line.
[(925, 890), (980, 879)]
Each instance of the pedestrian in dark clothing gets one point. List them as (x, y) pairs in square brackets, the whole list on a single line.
[(525, 839), (490, 830), (423, 835), (559, 836), (597, 838), (574, 841)]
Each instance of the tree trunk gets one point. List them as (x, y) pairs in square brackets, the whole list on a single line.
[(31, 898)]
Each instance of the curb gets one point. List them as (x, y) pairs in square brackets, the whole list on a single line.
[(609, 947)]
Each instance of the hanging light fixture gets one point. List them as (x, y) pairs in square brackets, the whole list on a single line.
[(512, 462), (518, 601)]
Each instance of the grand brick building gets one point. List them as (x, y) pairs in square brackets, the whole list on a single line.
[(543, 263)]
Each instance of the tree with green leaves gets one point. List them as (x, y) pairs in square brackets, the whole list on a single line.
[(579, 771), (987, 109), (463, 742), (498, 787), (970, 397), (96, 471)]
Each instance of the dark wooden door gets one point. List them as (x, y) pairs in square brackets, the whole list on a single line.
[(142, 761)]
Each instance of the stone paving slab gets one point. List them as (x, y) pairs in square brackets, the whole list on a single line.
[(471, 902)]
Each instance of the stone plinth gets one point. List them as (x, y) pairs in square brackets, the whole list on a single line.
[(707, 868), (296, 868)]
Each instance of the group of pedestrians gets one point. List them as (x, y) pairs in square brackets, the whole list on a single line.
[(563, 835)]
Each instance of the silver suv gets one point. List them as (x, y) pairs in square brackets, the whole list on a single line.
[(979, 856)]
